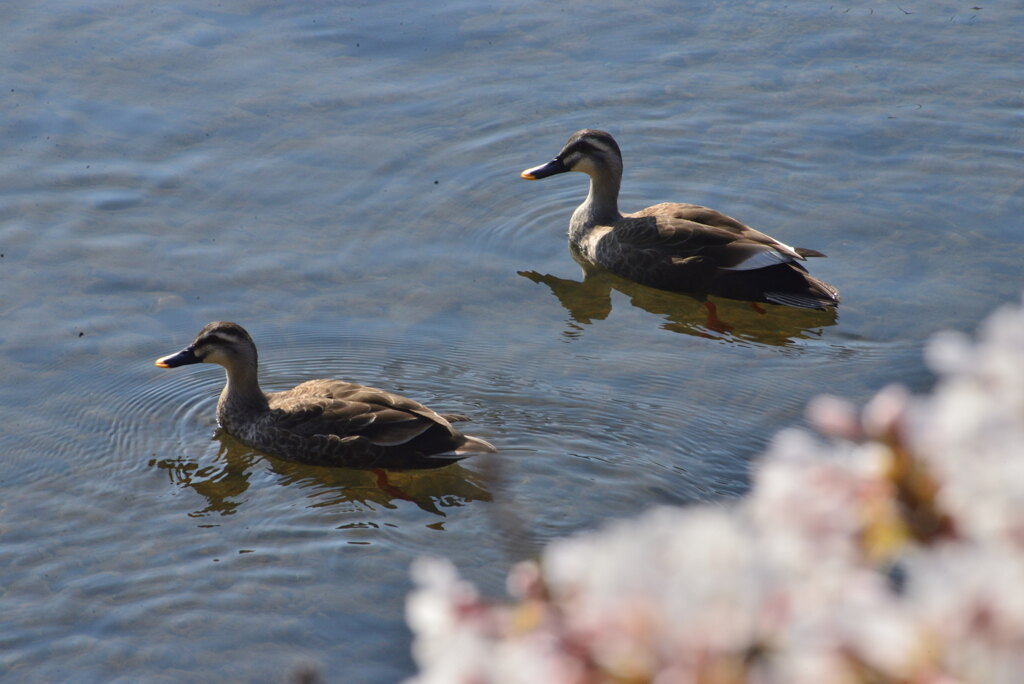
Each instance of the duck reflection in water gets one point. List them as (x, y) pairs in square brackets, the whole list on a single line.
[(224, 482), (731, 320)]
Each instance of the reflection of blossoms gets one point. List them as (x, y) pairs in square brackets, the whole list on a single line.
[(892, 551)]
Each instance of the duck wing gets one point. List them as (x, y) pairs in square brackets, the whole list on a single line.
[(682, 231), (344, 409)]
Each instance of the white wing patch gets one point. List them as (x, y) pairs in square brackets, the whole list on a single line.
[(762, 259)]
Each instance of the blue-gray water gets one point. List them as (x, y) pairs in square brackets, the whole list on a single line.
[(342, 179)]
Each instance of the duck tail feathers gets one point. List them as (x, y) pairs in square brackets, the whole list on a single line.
[(473, 445), (798, 300), (818, 295)]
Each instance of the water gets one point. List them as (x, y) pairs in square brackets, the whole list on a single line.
[(343, 181)]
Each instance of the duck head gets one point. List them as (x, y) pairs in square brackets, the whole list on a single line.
[(589, 151), (220, 342)]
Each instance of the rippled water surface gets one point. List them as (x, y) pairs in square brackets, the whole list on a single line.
[(342, 179)]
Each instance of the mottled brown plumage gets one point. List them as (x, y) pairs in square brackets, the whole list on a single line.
[(678, 247), (323, 422)]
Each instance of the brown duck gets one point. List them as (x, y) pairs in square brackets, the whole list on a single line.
[(323, 422), (678, 247)]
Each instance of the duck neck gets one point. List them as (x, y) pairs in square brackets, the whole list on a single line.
[(601, 208), (242, 399)]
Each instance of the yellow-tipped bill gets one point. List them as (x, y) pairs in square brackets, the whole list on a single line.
[(182, 358), (544, 170)]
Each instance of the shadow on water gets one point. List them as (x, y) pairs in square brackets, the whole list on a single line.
[(591, 300), (223, 483)]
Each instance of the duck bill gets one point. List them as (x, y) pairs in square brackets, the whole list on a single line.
[(182, 358), (544, 170)]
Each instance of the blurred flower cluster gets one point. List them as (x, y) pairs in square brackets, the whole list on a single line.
[(888, 548)]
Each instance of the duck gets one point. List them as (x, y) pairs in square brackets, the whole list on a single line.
[(675, 246), (323, 422)]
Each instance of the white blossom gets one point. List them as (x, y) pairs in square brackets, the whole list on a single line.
[(889, 550)]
